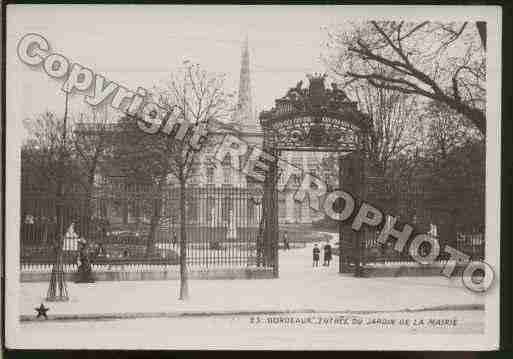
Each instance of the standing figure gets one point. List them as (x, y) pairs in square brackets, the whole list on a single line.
[(286, 244), (84, 274), (316, 253), (174, 239), (327, 254)]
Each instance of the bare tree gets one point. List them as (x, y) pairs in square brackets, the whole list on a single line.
[(48, 150), (60, 159), (198, 98), (395, 116), (90, 139), (446, 131), (83, 143), (445, 62), (43, 150)]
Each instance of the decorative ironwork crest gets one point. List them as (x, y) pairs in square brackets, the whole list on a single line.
[(314, 117)]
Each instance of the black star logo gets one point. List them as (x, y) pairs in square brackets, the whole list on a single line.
[(41, 311)]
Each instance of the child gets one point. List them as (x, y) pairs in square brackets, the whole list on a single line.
[(174, 239), (316, 252), (327, 254), (285, 241)]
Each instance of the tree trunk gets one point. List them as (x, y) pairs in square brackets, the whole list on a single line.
[(89, 231), (184, 289), (481, 28)]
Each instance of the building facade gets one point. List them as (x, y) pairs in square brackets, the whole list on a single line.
[(245, 125), (208, 173)]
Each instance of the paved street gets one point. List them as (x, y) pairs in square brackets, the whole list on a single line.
[(306, 308)]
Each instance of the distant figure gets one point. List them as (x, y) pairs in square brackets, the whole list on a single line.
[(174, 239), (126, 253), (286, 244), (84, 273), (316, 253), (327, 255)]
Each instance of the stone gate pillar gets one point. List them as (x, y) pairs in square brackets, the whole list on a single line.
[(309, 119), (351, 178), (270, 213)]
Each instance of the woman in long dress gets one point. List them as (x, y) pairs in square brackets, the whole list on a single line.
[(327, 254)]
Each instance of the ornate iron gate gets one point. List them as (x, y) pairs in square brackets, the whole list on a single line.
[(308, 119), (220, 233)]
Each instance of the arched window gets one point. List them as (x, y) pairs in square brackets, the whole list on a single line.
[(227, 175)]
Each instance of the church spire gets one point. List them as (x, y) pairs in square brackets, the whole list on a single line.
[(244, 116)]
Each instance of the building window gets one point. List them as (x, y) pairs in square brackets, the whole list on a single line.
[(282, 210), (195, 169), (210, 175), (297, 161), (251, 213), (297, 211), (226, 209), (227, 175), (192, 210)]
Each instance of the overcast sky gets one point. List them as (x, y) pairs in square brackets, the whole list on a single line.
[(139, 45)]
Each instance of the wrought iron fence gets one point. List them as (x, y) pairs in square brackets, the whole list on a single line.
[(422, 204), (373, 252), (136, 224), (376, 252)]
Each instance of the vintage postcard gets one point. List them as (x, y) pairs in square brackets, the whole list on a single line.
[(252, 177)]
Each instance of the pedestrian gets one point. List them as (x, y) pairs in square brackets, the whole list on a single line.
[(174, 239), (286, 244), (327, 254), (316, 252), (84, 273)]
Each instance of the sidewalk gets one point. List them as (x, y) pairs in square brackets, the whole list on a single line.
[(300, 288)]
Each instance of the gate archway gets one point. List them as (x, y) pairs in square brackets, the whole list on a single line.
[(314, 119)]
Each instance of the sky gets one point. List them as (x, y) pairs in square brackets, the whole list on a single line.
[(139, 46)]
